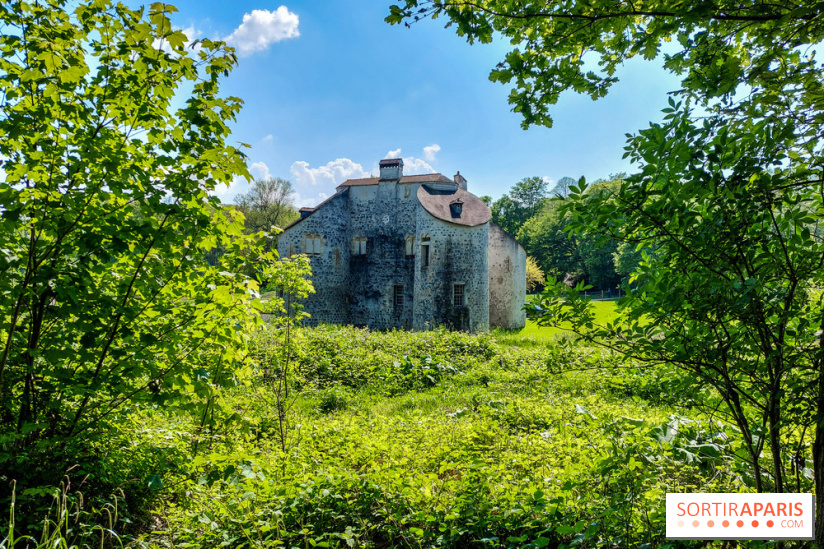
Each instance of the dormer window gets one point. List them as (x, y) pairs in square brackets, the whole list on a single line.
[(456, 208)]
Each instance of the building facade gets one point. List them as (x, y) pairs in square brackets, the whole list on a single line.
[(409, 252)]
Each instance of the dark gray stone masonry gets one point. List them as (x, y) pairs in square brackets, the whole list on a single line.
[(409, 252)]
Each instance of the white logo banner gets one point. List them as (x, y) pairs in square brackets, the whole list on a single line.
[(740, 516)]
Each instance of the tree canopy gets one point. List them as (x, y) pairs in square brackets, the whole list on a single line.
[(728, 199), (105, 217), (523, 201), (723, 43), (267, 204)]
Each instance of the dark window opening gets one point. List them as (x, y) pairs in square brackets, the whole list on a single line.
[(425, 255), (458, 295), (398, 296), (456, 208)]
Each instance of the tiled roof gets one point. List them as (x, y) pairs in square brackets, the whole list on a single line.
[(309, 212), (473, 211), (424, 178), (358, 182)]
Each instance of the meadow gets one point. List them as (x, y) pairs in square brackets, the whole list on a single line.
[(402, 439), (439, 439)]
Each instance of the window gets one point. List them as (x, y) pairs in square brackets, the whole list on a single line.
[(424, 251), (398, 296), (359, 245), (456, 207), (458, 295), (410, 245), (312, 244)]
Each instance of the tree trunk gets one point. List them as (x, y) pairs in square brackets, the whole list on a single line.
[(818, 447), (775, 442), (818, 466)]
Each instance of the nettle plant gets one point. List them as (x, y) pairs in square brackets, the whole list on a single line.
[(106, 299)]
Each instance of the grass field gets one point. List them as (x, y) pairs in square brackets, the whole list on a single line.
[(430, 439), (532, 333), (437, 439)]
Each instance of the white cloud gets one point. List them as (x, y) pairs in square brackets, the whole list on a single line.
[(309, 202), (430, 151), (262, 28), (413, 166), (269, 137), (227, 194), (314, 185), (332, 174), (239, 185), (260, 170), (191, 34)]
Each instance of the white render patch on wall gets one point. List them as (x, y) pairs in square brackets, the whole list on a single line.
[(507, 280)]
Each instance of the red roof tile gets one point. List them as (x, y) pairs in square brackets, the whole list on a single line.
[(424, 178)]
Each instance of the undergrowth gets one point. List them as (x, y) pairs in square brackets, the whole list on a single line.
[(433, 439)]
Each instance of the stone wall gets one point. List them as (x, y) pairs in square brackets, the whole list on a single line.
[(458, 255), (359, 289), (507, 280), (330, 269), (385, 215)]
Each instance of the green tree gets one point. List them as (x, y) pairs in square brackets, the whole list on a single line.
[(571, 257), (523, 201), (535, 277), (732, 293), (267, 204), (561, 189), (558, 44), (730, 201), (544, 237), (105, 216)]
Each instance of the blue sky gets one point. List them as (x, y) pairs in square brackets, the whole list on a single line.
[(330, 89)]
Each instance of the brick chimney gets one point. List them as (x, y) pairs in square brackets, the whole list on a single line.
[(460, 180), (391, 169)]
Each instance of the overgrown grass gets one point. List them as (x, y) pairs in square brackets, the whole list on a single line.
[(433, 439), (442, 439)]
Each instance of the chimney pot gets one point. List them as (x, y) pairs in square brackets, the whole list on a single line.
[(391, 169), (460, 180)]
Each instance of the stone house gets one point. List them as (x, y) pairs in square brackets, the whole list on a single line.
[(413, 252)]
